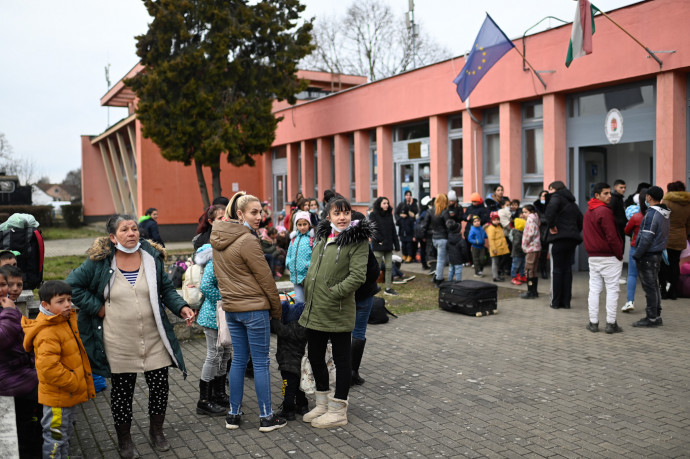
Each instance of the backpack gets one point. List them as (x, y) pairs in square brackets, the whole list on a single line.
[(191, 286), (28, 241), (176, 273), (379, 313)]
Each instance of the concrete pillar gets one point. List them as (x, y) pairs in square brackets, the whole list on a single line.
[(555, 157), (473, 167), (384, 148), (362, 167), (323, 150), (671, 122), (307, 168), (511, 149), (342, 164), (438, 154), (292, 177)]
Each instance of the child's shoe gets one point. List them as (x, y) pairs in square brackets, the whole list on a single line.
[(286, 412), (522, 278), (516, 281)]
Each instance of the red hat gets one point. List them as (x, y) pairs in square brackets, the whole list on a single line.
[(493, 215)]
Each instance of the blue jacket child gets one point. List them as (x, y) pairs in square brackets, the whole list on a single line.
[(477, 237)]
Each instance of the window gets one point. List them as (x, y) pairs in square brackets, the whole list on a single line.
[(299, 168), (455, 122), (412, 131), (353, 186), (373, 165), (532, 150), (455, 169), (492, 149), (316, 171), (332, 163)]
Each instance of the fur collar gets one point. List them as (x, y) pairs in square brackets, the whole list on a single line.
[(354, 234), (678, 197), (102, 248)]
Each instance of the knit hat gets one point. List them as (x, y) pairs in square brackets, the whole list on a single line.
[(281, 229), (655, 193), (475, 197), (302, 215), (426, 200), (519, 224), (452, 196), (493, 215)]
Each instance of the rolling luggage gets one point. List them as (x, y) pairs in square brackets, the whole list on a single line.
[(472, 298)]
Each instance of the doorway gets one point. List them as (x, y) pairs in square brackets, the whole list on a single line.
[(413, 176), (279, 193)]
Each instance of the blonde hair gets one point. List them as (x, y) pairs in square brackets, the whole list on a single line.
[(441, 203), (239, 201)]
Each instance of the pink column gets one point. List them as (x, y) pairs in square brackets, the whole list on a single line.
[(511, 149), (438, 154), (384, 148), (671, 135), (307, 147), (323, 150), (554, 140), (473, 167), (292, 178), (362, 173), (342, 164)]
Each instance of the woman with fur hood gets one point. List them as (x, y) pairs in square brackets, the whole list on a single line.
[(678, 201), (122, 290), (338, 268), (385, 238)]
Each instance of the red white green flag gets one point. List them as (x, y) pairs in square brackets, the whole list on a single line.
[(583, 29)]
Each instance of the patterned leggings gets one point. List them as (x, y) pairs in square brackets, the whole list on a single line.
[(122, 393)]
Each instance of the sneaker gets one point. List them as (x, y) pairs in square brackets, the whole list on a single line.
[(646, 322), (477, 275), (522, 278), (593, 327), (628, 307), (271, 423), (516, 281), (622, 281), (498, 279), (659, 322), (408, 278), (285, 412), (233, 421), (399, 280), (613, 328), (390, 291)]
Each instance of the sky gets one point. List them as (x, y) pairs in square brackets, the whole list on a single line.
[(53, 57)]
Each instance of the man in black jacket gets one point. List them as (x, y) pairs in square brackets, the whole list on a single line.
[(405, 214), (618, 207)]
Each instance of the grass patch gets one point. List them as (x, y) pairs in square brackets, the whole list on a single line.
[(420, 294), (55, 233), (58, 268)]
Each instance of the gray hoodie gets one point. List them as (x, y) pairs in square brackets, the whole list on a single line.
[(653, 233)]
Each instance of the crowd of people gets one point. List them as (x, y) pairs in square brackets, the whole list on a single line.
[(334, 256)]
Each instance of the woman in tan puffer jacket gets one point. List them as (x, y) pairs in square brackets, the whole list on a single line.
[(678, 201)]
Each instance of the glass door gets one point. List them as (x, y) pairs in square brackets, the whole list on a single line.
[(415, 177), (279, 194)]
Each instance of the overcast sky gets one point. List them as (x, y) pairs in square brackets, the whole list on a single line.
[(53, 56)]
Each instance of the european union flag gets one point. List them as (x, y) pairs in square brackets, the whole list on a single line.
[(489, 46)]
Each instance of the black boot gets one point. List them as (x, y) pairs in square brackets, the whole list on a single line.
[(535, 280), (156, 432), (301, 403), (219, 396), (356, 356), (286, 410), (205, 405), (125, 445), (531, 292)]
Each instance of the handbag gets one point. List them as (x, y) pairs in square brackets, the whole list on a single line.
[(224, 339), (307, 382)]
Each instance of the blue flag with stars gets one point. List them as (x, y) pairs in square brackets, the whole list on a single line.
[(489, 46)]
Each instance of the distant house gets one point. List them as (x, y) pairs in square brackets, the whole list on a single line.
[(40, 197), (59, 192)]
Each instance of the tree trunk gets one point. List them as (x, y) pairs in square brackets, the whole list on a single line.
[(202, 184), (215, 182)]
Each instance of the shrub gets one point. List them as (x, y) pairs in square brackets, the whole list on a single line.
[(71, 213)]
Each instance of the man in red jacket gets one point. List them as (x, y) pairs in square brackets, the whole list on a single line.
[(605, 249)]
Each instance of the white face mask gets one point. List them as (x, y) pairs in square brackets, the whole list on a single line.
[(335, 228), (124, 249)]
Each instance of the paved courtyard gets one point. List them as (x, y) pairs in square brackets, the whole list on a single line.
[(528, 382)]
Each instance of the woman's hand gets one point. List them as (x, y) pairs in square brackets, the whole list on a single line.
[(101, 312), (7, 303), (188, 315)]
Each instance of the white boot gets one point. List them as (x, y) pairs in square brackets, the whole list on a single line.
[(336, 415), (320, 408)]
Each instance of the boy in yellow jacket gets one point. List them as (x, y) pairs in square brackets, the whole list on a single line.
[(498, 245), (64, 371)]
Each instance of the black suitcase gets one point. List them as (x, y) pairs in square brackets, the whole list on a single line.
[(472, 298)]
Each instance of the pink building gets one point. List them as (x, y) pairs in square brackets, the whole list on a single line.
[(411, 131)]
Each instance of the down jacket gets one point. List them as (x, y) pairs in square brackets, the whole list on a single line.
[(338, 268), (244, 278), (497, 241), (91, 286), (292, 341), (678, 203), (531, 237), (385, 236), (563, 214), (299, 255), (209, 287), (17, 371), (64, 371)]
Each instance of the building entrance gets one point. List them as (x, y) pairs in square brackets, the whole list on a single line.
[(413, 176)]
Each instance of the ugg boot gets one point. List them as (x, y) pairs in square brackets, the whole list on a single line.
[(357, 350), (205, 405), (334, 417), (219, 396), (156, 432), (320, 408), (125, 445)]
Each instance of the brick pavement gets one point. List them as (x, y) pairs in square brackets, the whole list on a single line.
[(530, 381)]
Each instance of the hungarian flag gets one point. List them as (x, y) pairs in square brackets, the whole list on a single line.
[(583, 29)]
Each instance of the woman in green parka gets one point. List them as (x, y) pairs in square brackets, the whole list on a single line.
[(338, 267), (122, 291)]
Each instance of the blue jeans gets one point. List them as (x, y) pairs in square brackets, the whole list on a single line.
[(362, 317), (299, 294), (455, 271), (250, 332), (518, 267), (632, 274), (440, 245)]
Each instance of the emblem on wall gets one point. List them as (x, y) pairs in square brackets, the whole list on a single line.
[(613, 127)]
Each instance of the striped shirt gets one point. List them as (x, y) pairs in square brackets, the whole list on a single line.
[(131, 276)]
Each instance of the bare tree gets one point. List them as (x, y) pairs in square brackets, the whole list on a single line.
[(370, 40), (24, 168)]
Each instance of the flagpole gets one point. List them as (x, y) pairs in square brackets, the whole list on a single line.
[(651, 53), (530, 66)]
